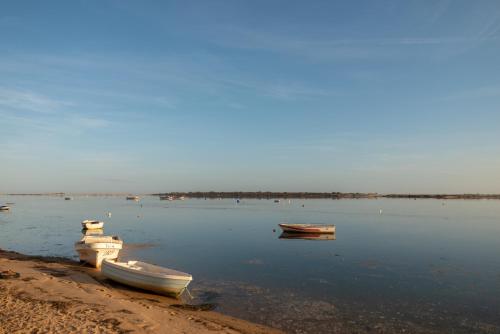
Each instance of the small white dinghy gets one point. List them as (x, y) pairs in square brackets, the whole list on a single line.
[(94, 249), (92, 224), (307, 228), (146, 276)]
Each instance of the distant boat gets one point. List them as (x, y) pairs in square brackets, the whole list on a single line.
[(146, 276), (173, 198), (132, 198), (307, 228), (308, 236), (4, 208), (92, 224), (168, 198), (68, 198), (276, 201), (94, 249)]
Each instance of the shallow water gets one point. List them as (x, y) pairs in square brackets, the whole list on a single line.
[(420, 266)]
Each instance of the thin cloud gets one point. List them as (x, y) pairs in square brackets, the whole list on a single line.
[(30, 101), (334, 49), (176, 72)]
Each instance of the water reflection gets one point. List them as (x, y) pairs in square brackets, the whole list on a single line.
[(308, 236)]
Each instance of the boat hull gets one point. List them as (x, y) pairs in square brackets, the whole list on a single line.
[(95, 253), (304, 228), (160, 285), (93, 232)]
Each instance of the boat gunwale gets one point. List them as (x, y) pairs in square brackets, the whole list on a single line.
[(99, 243), (116, 265)]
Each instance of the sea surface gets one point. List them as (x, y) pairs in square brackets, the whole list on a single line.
[(394, 265)]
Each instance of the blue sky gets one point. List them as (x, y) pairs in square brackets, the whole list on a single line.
[(145, 96)]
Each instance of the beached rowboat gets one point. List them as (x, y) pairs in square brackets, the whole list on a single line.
[(307, 228), (92, 224), (146, 276), (94, 249)]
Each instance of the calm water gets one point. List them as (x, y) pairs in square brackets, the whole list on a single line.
[(420, 266)]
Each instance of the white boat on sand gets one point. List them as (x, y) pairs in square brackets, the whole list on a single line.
[(307, 228), (92, 224), (146, 276), (94, 249)]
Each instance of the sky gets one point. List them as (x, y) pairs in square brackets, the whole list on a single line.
[(154, 96)]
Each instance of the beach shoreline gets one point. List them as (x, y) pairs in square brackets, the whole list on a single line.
[(58, 295), (267, 195)]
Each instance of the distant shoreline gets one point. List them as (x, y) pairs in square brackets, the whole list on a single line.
[(323, 195), (276, 195)]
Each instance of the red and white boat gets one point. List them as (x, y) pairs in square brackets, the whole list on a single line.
[(307, 228)]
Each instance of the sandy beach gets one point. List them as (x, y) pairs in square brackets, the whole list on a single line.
[(57, 295)]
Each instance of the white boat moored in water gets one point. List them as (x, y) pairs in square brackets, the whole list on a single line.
[(146, 276), (94, 249), (307, 228), (167, 198), (4, 208), (132, 198), (92, 224)]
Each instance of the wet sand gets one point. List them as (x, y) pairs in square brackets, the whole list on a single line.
[(57, 295)]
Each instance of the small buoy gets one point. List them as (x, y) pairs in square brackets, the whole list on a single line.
[(302, 205), (274, 230), (109, 214), (380, 212)]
